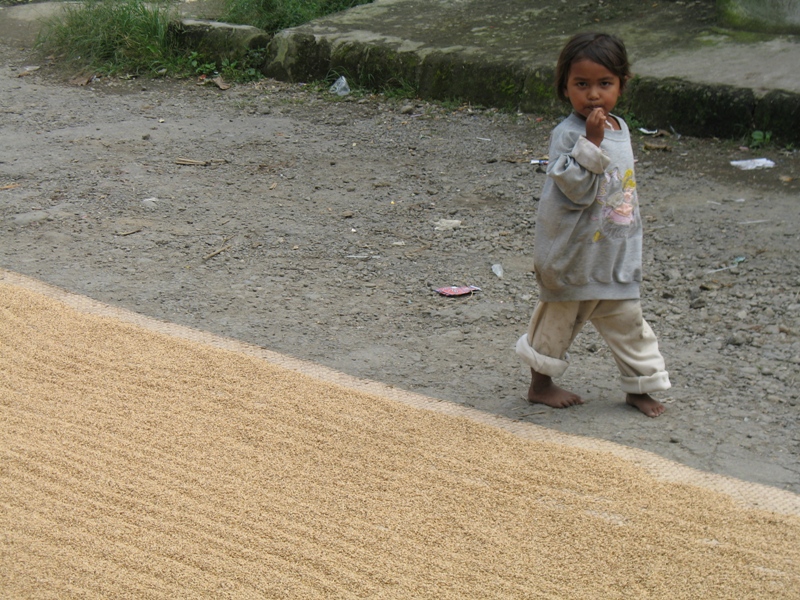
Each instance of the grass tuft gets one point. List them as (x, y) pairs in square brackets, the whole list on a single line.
[(113, 36)]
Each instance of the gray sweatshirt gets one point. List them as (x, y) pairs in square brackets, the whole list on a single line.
[(588, 243)]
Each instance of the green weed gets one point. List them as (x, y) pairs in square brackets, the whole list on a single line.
[(631, 120), (399, 89), (113, 36), (759, 139), (132, 36), (197, 64), (246, 69)]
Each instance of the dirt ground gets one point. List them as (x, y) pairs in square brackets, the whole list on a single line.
[(319, 227)]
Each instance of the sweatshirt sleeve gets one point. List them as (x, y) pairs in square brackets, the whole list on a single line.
[(575, 168)]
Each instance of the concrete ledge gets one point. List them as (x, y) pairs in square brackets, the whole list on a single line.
[(299, 56), (692, 108), (295, 55), (779, 112), (218, 41), (722, 111), (702, 110)]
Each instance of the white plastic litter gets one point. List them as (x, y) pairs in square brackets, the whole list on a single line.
[(753, 163), (340, 87)]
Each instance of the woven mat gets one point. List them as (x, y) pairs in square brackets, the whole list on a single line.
[(139, 459)]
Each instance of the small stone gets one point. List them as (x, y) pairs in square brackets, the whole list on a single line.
[(697, 303), (738, 338)]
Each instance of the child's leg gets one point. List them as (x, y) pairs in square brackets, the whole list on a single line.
[(635, 350), (552, 328)]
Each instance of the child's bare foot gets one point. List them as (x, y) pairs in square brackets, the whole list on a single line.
[(646, 404), (544, 391)]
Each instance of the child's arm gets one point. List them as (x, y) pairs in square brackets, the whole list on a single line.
[(576, 164)]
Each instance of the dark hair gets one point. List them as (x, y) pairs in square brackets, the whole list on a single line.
[(602, 48)]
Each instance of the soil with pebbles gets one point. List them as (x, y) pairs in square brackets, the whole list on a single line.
[(319, 227)]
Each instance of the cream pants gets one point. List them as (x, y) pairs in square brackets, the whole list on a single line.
[(554, 325)]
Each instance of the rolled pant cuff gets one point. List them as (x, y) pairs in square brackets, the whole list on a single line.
[(658, 382), (546, 365)]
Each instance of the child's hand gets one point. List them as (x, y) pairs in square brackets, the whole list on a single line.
[(595, 126)]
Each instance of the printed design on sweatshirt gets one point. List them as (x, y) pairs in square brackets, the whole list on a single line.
[(619, 204)]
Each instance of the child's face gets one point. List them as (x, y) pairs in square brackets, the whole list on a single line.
[(590, 85)]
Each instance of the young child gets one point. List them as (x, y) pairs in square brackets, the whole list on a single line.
[(588, 245)]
